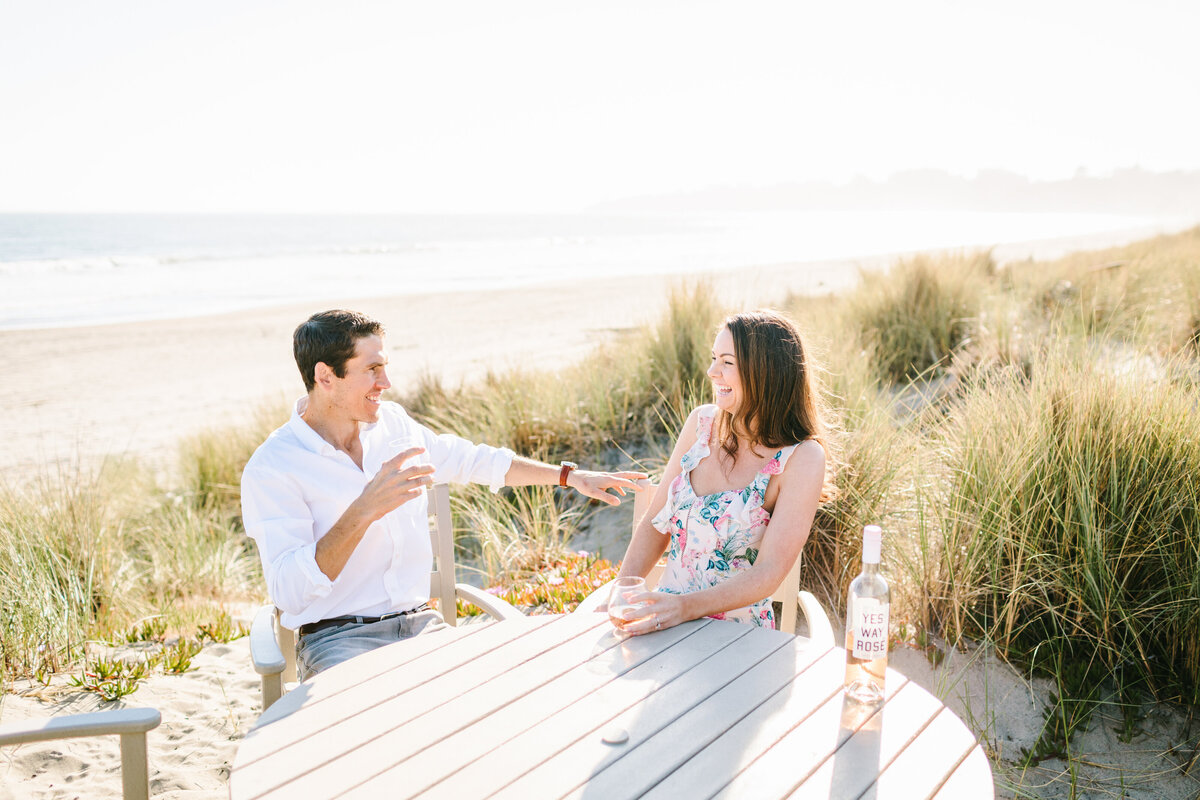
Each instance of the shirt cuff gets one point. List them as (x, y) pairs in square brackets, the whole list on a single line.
[(318, 582), (500, 467)]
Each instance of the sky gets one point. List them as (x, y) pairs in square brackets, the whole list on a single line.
[(396, 106)]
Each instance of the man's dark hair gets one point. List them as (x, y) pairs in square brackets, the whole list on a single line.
[(330, 337)]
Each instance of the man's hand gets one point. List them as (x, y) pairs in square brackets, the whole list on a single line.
[(597, 484), (395, 484)]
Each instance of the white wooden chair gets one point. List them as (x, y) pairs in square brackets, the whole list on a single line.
[(788, 595), (273, 647), (131, 724)]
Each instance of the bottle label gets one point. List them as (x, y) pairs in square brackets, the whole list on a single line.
[(869, 621)]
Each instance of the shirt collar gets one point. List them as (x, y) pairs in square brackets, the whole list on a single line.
[(307, 437), (312, 440)]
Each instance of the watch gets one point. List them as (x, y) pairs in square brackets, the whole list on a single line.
[(567, 467)]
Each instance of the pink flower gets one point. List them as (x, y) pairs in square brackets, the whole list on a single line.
[(554, 580), (772, 467)]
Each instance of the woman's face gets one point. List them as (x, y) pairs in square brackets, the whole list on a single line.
[(723, 372)]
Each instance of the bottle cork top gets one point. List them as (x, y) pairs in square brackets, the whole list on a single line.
[(872, 544)]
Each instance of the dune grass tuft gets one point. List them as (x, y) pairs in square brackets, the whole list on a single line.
[(916, 316), (1071, 517)]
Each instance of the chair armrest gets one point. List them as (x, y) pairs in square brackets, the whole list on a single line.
[(266, 656), (264, 648), (97, 723), (820, 632), (495, 607), (130, 723), (593, 600)]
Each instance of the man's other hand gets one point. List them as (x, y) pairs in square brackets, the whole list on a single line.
[(597, 484)]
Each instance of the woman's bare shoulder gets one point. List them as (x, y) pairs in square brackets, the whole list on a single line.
[(808, 457), (688, 433)]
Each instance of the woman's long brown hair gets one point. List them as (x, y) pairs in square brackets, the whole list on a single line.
[(780, 403)]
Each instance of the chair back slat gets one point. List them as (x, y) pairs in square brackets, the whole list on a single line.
[(286, 638), (441, 533)]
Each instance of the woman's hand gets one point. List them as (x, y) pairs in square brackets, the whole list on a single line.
[(657, 612)]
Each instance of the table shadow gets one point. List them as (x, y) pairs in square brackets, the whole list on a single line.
[(860, 734)]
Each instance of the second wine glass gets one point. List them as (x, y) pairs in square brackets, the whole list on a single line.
[(621, 606)]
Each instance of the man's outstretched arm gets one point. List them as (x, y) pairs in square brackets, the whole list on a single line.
[(527, 472)]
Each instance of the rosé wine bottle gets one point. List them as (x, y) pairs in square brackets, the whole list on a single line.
[(867, 625)]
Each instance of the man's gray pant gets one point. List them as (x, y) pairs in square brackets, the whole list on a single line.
[(321, 650)]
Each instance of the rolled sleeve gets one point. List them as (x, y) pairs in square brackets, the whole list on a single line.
[(281, 524)]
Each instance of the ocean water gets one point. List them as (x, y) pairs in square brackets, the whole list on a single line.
[(61, 270)]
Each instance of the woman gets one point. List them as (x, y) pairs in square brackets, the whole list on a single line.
[(739, 494)]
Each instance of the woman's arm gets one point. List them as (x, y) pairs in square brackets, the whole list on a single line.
[(791, 522), (648, 544)]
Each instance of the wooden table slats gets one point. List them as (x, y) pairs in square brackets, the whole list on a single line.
[(967, 777), (776, 772), (758, 732), (366, 750), (674, 657), (662, 703), (883, 735), (940, 739), (373, 681), (706, 721), (648, 692), (528, 708)]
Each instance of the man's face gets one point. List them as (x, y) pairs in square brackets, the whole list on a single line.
[(357, 395)]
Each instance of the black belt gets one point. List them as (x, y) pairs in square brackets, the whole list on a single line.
[(321, 624)]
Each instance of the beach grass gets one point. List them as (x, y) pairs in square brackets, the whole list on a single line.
[(88, 559), (1027, 435), (1070, 514), (916, 316)]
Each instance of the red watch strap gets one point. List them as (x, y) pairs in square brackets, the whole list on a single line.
[(567, 466)]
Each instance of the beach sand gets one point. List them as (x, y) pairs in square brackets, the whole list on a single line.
[(75, 396)]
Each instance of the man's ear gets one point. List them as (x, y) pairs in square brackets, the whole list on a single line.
[(323, 374)]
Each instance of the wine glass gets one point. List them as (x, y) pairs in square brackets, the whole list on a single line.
[(620, 601), (408, 442)]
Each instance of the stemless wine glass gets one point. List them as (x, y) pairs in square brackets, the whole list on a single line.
[(408, 442), (620, 601)]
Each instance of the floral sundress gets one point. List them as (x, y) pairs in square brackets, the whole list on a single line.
[(715, 536)]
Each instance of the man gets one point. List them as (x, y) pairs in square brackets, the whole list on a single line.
[(335, 498)]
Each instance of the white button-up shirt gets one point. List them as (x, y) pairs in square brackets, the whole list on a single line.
[(297, 485)]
